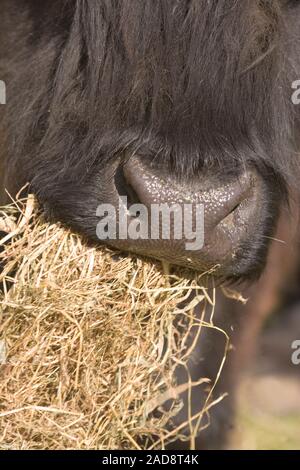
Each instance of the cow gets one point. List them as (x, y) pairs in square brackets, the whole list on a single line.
[(163, 101)]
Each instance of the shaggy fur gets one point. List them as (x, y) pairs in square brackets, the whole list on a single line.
[(193, 86)]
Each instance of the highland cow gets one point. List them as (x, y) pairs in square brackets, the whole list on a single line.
[(159, 101)]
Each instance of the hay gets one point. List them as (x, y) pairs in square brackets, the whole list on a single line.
[(89, 340)]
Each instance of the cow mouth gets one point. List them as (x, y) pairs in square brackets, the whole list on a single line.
[(227, 220)]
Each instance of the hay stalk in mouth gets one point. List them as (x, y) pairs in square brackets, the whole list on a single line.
[(92, 341)]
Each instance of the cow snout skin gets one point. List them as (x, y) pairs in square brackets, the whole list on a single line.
[(216, 218)]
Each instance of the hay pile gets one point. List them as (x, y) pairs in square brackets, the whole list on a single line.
[(87, 340)]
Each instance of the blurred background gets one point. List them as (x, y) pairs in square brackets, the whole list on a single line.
[(269, 392)]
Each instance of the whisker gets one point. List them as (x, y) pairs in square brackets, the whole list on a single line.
[(275, 239)]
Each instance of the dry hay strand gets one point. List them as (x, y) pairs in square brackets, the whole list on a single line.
[(89, 344)]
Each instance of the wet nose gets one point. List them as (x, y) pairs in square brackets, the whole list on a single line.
[(199, 224)]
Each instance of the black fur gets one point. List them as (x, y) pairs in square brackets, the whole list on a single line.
[(194, 86)]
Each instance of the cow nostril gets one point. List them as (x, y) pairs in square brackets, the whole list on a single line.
[(235, 207), (229, 218), (238, 195), (124, 188), (231, 211)]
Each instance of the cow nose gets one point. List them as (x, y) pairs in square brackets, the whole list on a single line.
[(200, 224)]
